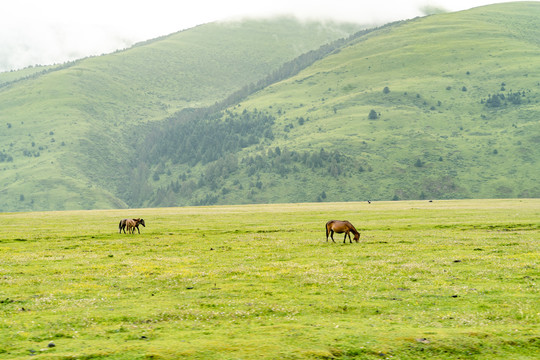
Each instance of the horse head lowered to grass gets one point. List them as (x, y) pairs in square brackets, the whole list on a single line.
[(340, 227)]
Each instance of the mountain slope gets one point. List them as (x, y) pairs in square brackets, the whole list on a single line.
[(65, 130), (455, 100), (445, 106)]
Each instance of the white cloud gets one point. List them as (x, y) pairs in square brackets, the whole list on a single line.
[(54, 31)]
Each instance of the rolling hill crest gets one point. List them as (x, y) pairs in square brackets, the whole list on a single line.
[(438, 107)]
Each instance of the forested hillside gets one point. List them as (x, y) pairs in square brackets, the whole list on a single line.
[(441, 107), (66, 128)]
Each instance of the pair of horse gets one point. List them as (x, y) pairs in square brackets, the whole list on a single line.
[(333, 226), (339, 226), (130, 225)]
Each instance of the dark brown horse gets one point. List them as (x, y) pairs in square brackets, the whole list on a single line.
[(134, 224), (341, 227)]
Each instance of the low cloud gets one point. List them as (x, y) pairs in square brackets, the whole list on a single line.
[(34, 32), (432, 10), (55, 44)]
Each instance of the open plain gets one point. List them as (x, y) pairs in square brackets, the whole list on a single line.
[(442, 279)]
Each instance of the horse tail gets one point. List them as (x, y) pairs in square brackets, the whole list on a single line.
[(326, 226), (328, 229), (120, 226)]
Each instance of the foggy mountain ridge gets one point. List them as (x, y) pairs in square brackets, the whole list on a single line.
[(443, 106)]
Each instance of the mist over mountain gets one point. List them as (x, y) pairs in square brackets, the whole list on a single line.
[(44, 33), (262, 111)]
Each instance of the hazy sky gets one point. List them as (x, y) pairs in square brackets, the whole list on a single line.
[(54, 31)]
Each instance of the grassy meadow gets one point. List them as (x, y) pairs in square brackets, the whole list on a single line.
[(442, 279)]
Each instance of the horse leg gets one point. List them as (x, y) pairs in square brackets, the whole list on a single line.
[(137, 229), (332, 235)]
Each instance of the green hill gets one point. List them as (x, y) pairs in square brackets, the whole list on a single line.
[(65, 128), (445, 106)]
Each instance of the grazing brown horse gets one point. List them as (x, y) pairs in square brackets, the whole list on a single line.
[(133, 223), (341, 227)]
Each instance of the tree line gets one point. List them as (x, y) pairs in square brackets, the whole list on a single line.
[(228, 173), (205, 140)]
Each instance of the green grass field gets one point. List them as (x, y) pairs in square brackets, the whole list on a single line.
[(442, 279)]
